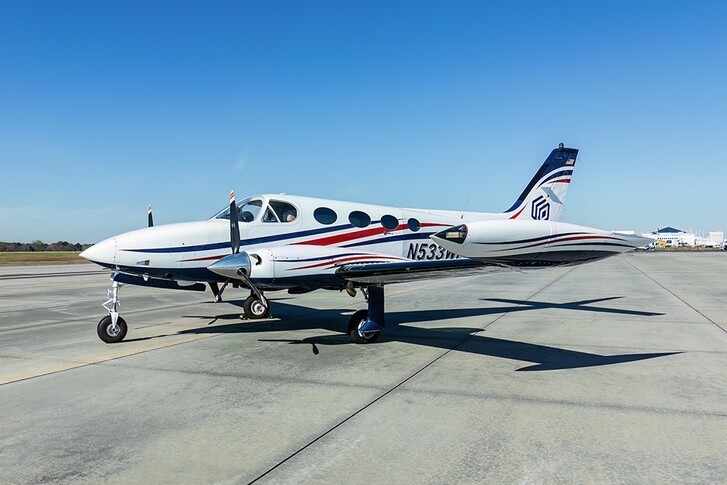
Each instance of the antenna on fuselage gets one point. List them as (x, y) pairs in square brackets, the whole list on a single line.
[(150, 218)]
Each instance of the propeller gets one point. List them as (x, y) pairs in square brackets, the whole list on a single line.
[(234, 266), (234, 245), (151, 219), (234, 225)]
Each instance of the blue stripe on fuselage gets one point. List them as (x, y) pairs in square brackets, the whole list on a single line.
[(243, 242), (283, 237)]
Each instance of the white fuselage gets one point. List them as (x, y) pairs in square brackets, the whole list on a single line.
[(318, 236)]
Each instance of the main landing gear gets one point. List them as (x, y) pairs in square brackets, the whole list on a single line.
[(256, 307), (365, 326)]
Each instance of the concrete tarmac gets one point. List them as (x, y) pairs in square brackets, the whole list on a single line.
[(608, 372)]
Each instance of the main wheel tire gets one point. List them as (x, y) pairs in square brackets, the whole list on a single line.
[(358, 319), (255, 309), (107, 334)]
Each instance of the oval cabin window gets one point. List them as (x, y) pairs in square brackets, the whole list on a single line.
[(324, 215), (359, 219), (389, 222)]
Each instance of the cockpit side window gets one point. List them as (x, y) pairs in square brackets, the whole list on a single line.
[(247, 210), (284, 211), (269, 216)]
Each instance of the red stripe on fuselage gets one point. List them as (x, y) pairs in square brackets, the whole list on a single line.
[(518, 213), (349, 259), (340, 238), (350, 236)]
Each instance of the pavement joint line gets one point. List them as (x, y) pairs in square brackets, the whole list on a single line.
[(88, 364), (80, 319), (678, 297), (397, 386), (23, 276), (503, 315)]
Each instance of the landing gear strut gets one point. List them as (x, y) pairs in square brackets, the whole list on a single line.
[(256, 305), (365, 326), (112, 328), (217, 291)]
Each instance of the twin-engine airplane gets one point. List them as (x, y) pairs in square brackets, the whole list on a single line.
[(300, 244)]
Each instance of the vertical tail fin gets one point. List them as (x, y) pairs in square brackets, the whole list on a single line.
[(544, 196)]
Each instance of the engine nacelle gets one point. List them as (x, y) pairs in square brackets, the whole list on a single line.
[(289, 262), (233, 266)]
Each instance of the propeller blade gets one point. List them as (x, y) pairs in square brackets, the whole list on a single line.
[(151, 219), (234, 226)]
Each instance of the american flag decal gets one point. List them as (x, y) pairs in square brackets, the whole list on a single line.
[(571, 161)]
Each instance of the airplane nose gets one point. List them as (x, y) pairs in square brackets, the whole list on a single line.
[(103, 253)]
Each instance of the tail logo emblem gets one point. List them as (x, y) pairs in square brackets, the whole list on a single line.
[(540, 209)]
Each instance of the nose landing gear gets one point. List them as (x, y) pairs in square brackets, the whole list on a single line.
[(112, 328), (110, 333)]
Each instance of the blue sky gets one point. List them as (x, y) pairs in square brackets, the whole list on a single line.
[(106, 107)]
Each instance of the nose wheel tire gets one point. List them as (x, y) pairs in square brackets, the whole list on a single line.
[(108, 333), (357, 321), (255, 309)]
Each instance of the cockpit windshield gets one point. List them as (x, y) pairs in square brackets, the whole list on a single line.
[(247, 210)]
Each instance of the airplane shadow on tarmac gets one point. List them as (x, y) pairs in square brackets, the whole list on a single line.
[(462, 339)]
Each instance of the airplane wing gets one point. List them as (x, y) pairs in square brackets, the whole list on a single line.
[(150, 281), (403, 271)]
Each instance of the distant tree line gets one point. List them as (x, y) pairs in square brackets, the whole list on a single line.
[(41, 246)]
